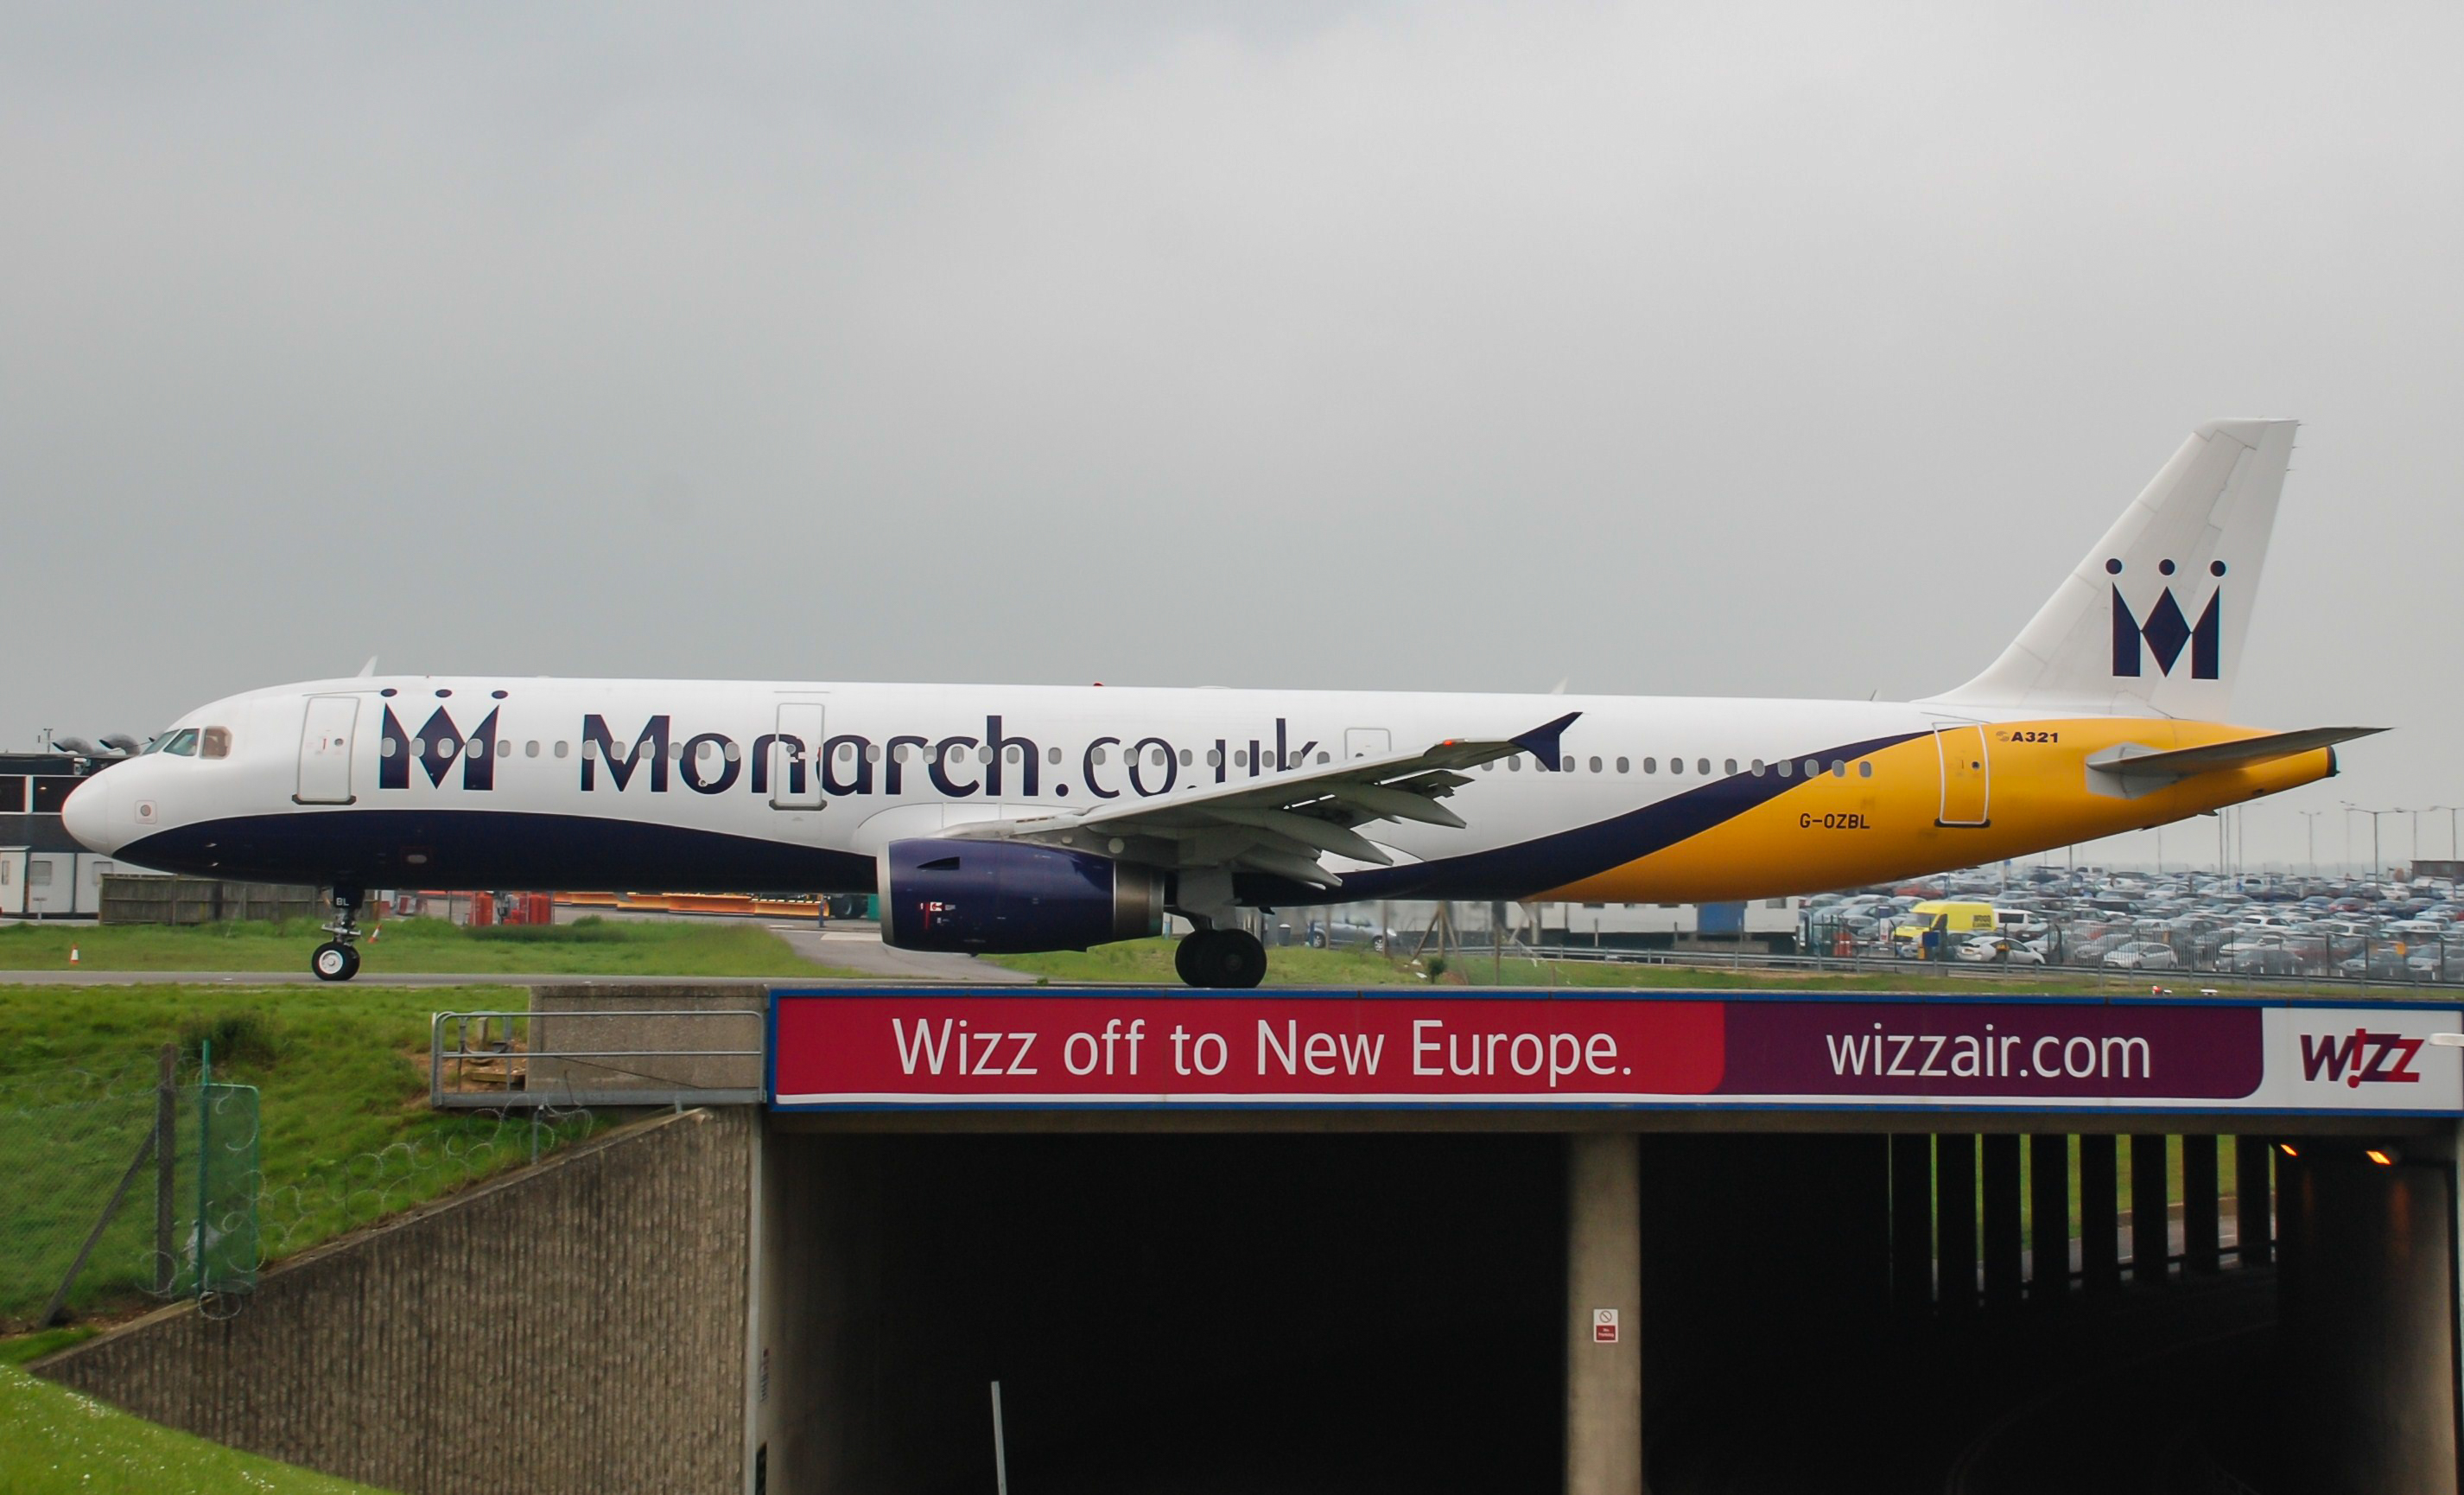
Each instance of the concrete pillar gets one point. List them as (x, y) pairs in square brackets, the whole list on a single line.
[(2201, 1252), (2049, 1218), (2368, 1327), (2254, 1200), (2099, 1210), (2003, 1241), (1912, 1222), (1603, 1270), (2151, 1229), (1954, 1217)]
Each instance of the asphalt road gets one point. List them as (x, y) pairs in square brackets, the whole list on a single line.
[(846, 946)]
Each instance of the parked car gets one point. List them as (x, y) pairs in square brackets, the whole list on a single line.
[(1348, 931), (1997, 950), (2142, 955)]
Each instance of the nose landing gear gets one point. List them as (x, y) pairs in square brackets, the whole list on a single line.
[(337, 959)]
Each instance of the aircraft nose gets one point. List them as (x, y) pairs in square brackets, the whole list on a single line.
[(86, 814)]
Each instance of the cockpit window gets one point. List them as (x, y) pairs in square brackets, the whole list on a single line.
[(181, 745), (214, 743)]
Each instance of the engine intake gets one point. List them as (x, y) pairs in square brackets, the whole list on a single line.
[(1000, 897)]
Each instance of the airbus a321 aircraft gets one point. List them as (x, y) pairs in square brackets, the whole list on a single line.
[(997, 819)]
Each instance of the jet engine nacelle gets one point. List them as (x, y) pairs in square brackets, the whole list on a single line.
[(1002, 897)]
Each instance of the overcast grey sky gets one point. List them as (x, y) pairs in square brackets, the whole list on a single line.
[(1729, 348)]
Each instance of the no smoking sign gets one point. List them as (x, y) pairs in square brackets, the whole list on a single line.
[(1604, 1326)]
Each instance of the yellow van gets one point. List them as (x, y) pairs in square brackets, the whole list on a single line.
[(1951, 918)]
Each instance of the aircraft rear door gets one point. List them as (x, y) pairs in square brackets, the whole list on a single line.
[(325, 750), (1967, 777), (795, 767)]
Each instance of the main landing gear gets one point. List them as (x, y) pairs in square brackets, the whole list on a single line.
[(337, 959), (1220, 958)]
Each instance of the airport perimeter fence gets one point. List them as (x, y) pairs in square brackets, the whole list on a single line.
[(100, 1217), (2422, 971)]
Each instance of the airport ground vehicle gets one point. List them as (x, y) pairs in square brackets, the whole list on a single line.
[(996, 819), (1951, 920)]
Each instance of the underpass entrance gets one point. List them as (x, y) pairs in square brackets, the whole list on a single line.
[(1202, 1313)]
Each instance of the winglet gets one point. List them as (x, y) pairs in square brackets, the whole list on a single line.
[(1541, 742), (369, 670)]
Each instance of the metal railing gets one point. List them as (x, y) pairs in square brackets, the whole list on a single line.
[(653, 1057)]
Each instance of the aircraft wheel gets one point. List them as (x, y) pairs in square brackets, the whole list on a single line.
[(1230, 957), (1187, 957), (335, 961)]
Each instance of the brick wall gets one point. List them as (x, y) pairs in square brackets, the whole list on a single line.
[(579, 1326)]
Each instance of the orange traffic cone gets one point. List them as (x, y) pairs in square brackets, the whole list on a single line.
[(73, 955)]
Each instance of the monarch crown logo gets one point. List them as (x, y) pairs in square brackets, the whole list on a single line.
[(2168, 630)]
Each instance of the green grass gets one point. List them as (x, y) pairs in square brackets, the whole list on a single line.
[(590, 946), (54, 1440), (21, 1348), (346, 1132)]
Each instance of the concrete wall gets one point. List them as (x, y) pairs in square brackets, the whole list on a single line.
[(579, 1326), (686, 1038), (129, 898)]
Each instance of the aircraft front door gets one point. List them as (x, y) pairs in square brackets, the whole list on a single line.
[(325, 750), (794, 753), (1967, 776)]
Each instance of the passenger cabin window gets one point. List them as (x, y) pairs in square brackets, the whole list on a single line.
[(1732, 766), (1621, 764), (214, 743)]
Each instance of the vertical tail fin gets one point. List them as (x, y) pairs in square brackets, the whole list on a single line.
[(2151, 622)]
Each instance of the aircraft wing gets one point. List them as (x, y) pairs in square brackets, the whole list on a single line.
[(1281, 823)]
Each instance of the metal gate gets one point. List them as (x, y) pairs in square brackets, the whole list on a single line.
[(325, 750), (1967, 777)]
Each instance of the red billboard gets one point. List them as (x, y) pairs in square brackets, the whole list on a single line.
[(977, 1048)]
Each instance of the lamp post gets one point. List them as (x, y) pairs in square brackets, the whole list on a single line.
[(2377, 866), (2310, 824)]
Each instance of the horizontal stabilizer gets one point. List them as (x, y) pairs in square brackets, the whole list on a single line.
[(2140, 765)]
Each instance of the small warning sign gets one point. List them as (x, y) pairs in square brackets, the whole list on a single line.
[(1604, 1326)]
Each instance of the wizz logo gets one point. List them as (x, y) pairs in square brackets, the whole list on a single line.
[(2358, 1056), (2168, 630), (435, 748)]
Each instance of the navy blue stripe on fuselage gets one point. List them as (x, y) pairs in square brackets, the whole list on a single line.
[(1552, 861), (501, 850)]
